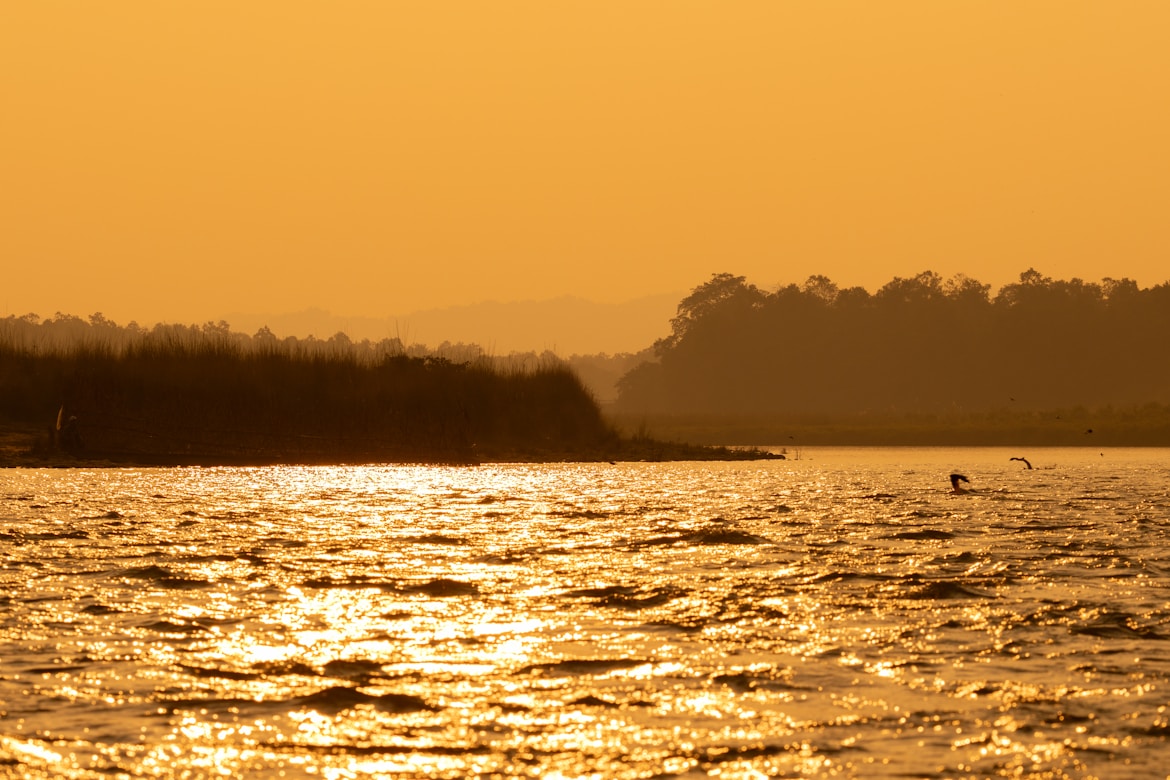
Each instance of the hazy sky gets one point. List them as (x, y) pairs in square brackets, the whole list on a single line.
[(176, 160)]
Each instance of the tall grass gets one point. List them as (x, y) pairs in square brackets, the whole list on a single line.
[(183, 393)]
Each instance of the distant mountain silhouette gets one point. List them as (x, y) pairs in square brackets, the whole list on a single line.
[(566, 325)]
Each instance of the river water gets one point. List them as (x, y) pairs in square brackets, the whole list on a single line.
[(840, 614)]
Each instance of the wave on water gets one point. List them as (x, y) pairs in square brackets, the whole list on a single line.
[(328, 701), (946, 589), (924, 534), (443, 539), (439, 587), (703, 537), (1116, 625), (628, 597), (582, 666)]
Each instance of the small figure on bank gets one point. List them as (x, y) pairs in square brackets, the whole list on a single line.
[(68, 435)]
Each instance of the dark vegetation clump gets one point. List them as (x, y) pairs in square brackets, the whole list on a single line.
[(182, 394)]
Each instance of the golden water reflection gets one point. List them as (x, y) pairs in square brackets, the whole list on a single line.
[(574, 621)]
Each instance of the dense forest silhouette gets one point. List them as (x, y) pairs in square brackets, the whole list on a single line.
[(920, 345)]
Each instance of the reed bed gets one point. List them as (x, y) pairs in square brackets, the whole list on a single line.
[(94, 391), (192, 394)]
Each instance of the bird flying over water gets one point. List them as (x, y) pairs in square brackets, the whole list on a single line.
[(955, 480)]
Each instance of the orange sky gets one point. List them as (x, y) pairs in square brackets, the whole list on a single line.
[(178, 160)]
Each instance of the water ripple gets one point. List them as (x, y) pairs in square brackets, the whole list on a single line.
[(844, 615)]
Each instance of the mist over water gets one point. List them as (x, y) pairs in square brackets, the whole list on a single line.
[(839, 614)]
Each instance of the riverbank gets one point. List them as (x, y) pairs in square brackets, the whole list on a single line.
[(1144, 426), (23, 448)]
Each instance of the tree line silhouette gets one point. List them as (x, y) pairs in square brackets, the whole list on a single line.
[(922, 360), (204, 394), (917, 345)]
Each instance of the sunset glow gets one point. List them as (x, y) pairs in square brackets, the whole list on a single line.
[(179, 161)]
